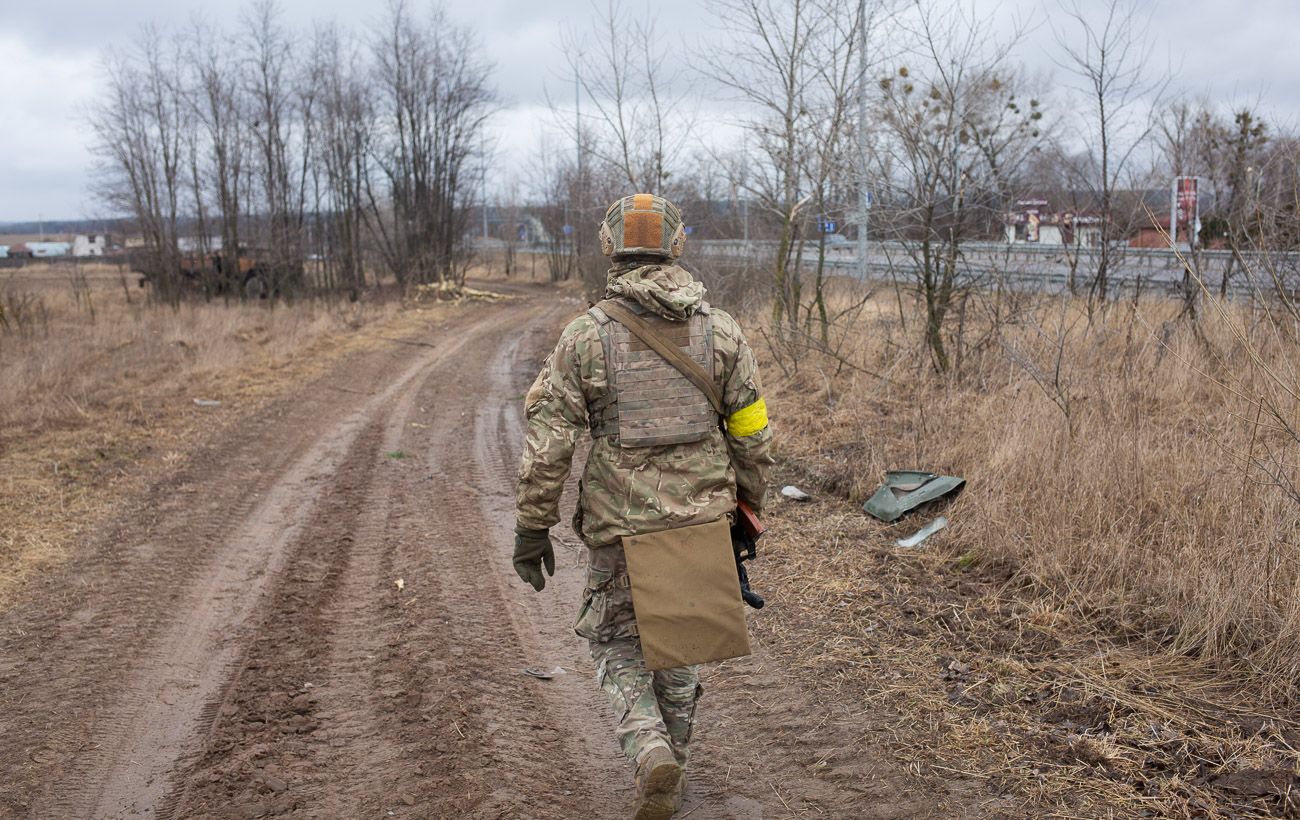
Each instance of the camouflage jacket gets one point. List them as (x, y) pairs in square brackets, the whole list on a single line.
[(630, 490)]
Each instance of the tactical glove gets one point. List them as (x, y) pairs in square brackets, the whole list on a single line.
[(532, 551)]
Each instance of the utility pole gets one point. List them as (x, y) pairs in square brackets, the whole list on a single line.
[(482, 140), (577, 147), (577, 119), (1173, 214), (864, 196)]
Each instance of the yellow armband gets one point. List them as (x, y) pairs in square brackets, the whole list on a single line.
[(748, 420)]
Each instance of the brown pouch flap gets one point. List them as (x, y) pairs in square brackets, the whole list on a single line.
[(686, 595)]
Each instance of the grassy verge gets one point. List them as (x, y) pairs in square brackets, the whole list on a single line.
[(987, 677), (1110, 623), (101, 389)]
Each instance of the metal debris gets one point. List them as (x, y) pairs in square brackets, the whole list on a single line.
[(905, 490)]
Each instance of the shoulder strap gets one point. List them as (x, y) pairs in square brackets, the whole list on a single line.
[(672, 353)]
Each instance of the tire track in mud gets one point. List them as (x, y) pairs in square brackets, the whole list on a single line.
[(420, 711), (197, 652), (282, 697), (544, 623), (104, 677)]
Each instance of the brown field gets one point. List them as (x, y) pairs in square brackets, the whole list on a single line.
[(1112, 621), (1144, 484), (100, 388)]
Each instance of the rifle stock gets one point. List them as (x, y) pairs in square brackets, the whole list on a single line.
[(746, 529)]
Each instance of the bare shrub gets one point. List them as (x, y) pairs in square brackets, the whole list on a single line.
[(21, 312)]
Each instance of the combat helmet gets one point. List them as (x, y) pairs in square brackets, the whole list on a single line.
[(642, 225)]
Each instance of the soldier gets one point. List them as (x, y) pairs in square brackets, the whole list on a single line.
[(661, 458)]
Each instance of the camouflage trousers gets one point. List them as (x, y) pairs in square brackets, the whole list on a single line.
[(650, 708)]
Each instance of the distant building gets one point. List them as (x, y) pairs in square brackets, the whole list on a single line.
[(46, 250), (1033, 222), (1148, 235), (196, 244), (1157, 235), (89, 244), (4, 251)]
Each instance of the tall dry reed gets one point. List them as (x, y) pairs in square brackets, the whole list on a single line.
[(1140, 467)]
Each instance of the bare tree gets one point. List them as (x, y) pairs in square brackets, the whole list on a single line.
[(513, 230), (1236, 152), (771, 67), (140, 142), (434, 101), (952, 124), (1276, 204), (345, 135), (629, 122), (639, 123), (827, 163), (554, 180), (244, 154), (280, 120), (1180, 131), (1109, 55), (216, 105)]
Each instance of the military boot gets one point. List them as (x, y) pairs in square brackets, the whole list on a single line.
[(658, 785)]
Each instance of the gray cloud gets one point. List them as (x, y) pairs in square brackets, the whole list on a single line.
[(51, 51)]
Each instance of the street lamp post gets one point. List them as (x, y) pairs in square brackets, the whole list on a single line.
[(864, 196)]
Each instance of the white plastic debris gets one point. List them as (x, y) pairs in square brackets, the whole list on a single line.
[(924, 533), (207, 403), (794, 493)]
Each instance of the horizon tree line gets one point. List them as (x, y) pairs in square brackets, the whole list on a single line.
[(340, 158), (358, 153)]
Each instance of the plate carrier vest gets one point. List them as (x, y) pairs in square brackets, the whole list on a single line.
[(649, 402)]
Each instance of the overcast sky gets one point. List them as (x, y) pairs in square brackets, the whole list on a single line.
[(50, 53)]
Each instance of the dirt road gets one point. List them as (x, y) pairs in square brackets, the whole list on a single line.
[(315, 616)]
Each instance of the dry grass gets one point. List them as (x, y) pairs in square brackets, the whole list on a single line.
[(1120, 587), (491, 266), (1144, 486), (986, 679), (100, 389)]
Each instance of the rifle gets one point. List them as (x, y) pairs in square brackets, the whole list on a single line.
[(745, 532)]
